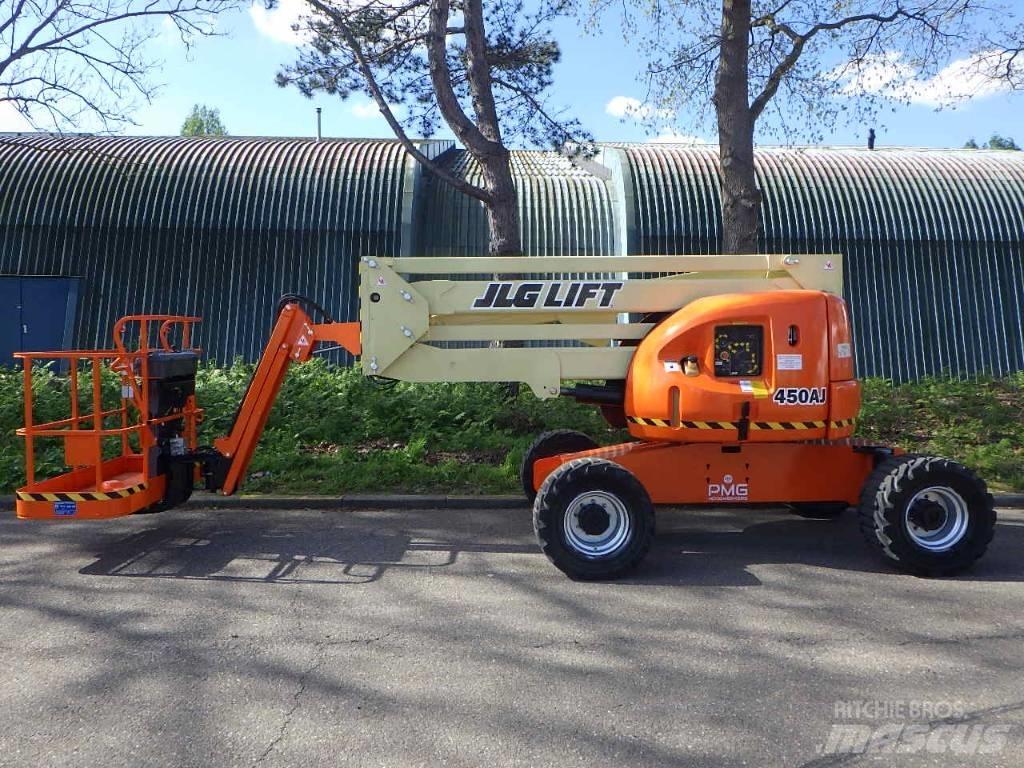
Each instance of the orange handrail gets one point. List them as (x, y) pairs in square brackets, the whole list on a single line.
[(84, 427), (166, 323)]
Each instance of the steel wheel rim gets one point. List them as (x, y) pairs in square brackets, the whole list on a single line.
[(948, 532), (593, 545)]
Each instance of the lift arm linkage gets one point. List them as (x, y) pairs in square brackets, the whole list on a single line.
[(292, 341)]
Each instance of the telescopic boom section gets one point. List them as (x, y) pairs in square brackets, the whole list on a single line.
[(292, 341)]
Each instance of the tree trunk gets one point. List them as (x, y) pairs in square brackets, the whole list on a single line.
[(491, 153), (503, 210), (741, 199)]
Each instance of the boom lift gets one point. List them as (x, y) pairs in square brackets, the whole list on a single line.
[(733, 374)]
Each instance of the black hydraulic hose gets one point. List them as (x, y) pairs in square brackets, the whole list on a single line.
[(298, 298), (614, 394)]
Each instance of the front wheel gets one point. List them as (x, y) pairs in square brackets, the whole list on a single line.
[(550, 444), (593, 519), (929, 516)]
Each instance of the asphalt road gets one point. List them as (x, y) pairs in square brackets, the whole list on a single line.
[(433, 638)]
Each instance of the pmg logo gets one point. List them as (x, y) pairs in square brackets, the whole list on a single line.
[(728, 490)]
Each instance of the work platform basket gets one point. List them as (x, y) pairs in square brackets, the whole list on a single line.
[(114, 443)]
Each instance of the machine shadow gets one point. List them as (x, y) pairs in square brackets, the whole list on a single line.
[(686, 555), (329, 549), (277, 550)]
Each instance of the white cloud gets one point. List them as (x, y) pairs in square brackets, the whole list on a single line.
[(367, 110), (888, 75), (277, 24), (620, 106), (673, 137), (627, 106)]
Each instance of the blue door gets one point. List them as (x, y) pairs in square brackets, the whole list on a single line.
[(36, 314), (10, 318)]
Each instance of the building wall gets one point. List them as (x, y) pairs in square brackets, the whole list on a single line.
[(215, 227), (563, 210), (933, 241)]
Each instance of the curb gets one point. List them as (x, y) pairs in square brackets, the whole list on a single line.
[(201, 500), (356, 501), (1009, 500), (398, 501)]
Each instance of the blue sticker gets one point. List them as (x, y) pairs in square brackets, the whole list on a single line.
[(64, 508)]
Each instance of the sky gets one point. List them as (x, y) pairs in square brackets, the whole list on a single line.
[(599, 78)]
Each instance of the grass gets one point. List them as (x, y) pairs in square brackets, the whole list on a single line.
[(334, 431)]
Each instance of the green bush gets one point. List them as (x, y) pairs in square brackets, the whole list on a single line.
[(334, 431), (979, 422)]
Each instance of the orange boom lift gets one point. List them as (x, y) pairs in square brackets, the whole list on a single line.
[(734, 375)]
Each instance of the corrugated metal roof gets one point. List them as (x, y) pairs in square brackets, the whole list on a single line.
[(835, 194), (217, 227), (564, 210), (222, 226), (933, 240)]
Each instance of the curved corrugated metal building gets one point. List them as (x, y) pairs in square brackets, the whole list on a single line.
[(564, 210), (216, 227), (933, 240)]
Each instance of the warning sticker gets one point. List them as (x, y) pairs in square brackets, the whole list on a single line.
[(844, 350), (789, 362), (671, 366), (756, 388)]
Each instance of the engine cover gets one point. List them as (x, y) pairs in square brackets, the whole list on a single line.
[(762, 367)]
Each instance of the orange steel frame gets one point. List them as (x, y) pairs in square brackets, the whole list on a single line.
[(101, 487), (291, 341), (672, 472), (123, 485), (743, 473)]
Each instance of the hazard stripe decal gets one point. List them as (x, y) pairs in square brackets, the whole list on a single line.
[(779, 426), (82, 495)]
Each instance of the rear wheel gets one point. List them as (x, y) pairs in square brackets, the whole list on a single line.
[(593, 519), (927, 515), (550, 444)]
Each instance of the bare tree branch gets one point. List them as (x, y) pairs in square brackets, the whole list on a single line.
[(82, 63), (389, 115), (483, 69)]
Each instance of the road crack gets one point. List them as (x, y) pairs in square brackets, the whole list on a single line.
[(296, 703), (320, 656)]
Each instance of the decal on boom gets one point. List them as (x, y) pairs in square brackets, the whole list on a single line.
[(555, 295)]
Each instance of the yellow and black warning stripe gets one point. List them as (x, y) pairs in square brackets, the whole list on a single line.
[(783, 426), (649, 422), (780, 426), (683, 424), (707, 425), (82, 495)]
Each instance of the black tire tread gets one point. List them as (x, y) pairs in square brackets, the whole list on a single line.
[(591, 472), (550, 443), (877, 513)]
